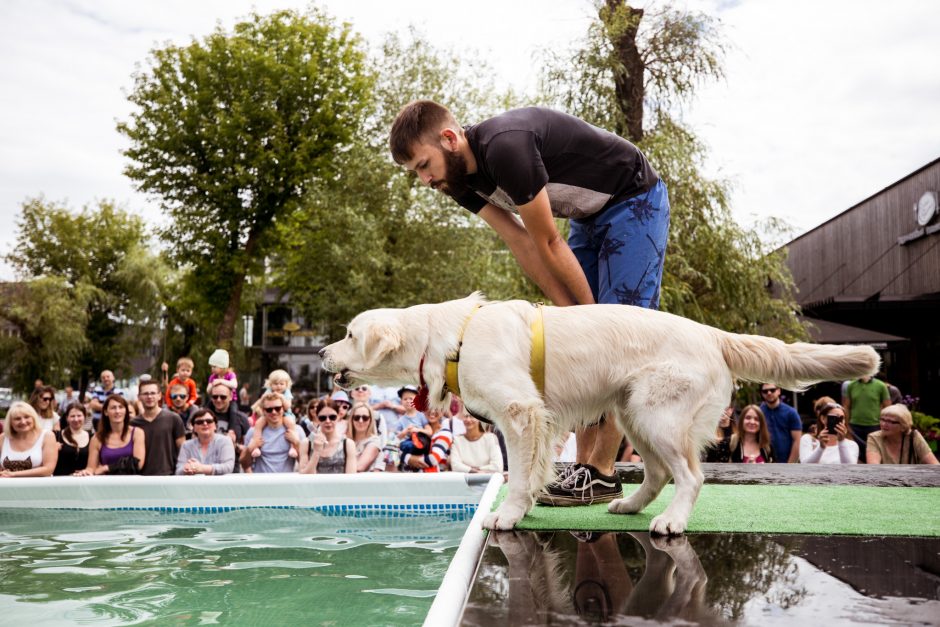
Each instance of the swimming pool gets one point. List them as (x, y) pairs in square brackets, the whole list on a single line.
[(188, 550)]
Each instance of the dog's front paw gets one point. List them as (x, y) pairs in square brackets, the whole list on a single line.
[(630, 505), (663, 525), (505, 517)]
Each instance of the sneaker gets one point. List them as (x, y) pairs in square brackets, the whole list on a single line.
[(562, 476), (586, 536), (583, 485)]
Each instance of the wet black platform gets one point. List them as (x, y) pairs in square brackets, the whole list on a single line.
[(562, 578), (568, 578)]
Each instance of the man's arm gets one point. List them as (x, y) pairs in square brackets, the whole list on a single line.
[(795, 448), (538, 247)]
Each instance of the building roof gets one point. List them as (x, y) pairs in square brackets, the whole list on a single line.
[(826, 332), (862, 202)]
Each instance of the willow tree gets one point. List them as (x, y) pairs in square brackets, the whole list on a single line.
[(633, 74), (232, 131), (89, 296)]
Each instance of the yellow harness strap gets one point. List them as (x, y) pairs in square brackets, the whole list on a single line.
[(450, 366), (537, 360)]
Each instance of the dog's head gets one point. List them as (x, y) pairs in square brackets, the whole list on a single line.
[(377, 349)]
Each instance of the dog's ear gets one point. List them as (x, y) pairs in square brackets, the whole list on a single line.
[(381, 338)]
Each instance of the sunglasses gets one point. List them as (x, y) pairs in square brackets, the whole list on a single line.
[(176, 397), (361, 388), (362, 418), (220, 397), (325, 417), (203, 422), (890, 421), (273, 410), (768, 390), (46, 398)]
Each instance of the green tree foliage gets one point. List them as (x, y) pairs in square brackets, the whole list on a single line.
[(49, 321), (374, 237), (635, 69), (90, 296), (232, 131)]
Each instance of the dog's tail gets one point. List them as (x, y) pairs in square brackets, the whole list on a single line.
[(795, 366)]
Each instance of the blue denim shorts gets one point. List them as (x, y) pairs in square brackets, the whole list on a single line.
[(622, 249)]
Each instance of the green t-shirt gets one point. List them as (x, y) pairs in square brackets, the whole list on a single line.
[(866, 400)]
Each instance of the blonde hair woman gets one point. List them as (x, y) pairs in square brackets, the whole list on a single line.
[(898, 442), (751, 444), (26, 449), (364, 436)]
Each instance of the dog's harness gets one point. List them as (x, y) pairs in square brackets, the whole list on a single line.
[(452, 364)]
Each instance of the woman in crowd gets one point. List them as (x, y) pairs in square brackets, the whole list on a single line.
[(366, 438), (117, 448), (329, 452), (442, 439), (898, 442), (476, 450), (208, 452), (751, 444), (831, 441), (43, 401), (74, 441), (309, 421), (720, 450), (26, 449)]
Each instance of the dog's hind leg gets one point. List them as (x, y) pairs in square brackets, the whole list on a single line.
[(655, 476), (528, 446)]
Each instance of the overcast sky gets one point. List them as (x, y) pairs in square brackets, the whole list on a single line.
[(824, 104)]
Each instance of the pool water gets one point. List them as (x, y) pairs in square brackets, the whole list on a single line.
[(566, 578), (251, 566)]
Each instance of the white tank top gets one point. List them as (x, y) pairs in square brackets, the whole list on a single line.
[(33, 454)]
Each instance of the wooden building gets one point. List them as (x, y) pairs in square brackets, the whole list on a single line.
[(876, 267)]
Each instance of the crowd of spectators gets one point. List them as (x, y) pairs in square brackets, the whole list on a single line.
[(173, 427)]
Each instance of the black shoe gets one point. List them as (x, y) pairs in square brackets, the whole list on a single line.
[(582, 485)]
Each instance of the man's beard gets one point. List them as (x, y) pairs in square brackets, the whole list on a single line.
[(455, 176)]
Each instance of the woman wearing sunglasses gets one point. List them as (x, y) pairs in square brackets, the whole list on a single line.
[(43, 401), (364, 436), (831, 442), (329, 452), (898, 442), (208, 452)]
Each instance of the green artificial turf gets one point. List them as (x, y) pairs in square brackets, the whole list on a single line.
[(800, 509)]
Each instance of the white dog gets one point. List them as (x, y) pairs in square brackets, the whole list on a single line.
[(665, 380)]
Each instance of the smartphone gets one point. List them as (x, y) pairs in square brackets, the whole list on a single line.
[(831, 422)]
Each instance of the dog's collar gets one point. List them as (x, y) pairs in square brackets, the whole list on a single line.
[(421, 400)]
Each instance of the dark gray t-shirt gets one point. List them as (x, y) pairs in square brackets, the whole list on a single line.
[(160, 436), (584, 169)]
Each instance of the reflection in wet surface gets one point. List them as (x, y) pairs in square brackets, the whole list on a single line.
[(570, 578)]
